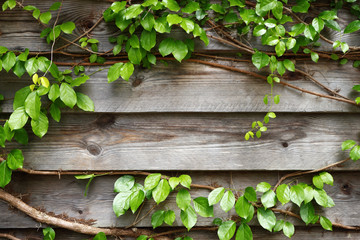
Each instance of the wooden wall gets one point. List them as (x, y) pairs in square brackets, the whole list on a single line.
[(175, 119)]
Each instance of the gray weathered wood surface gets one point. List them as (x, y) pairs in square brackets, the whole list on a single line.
[(192, 87), (316, 233), (182, 117), (192, 141), (67, 196)]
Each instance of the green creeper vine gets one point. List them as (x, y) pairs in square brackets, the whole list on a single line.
[(144, 41)]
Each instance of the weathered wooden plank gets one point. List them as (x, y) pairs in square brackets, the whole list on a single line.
[(86, 13), (314, 233), (191, 142), (191, 87), (66, 196)]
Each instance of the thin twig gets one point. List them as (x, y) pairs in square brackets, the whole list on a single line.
[(8, 236), (309, 172), (142, 218)]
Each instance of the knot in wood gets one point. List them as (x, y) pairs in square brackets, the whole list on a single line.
[(94, 149)]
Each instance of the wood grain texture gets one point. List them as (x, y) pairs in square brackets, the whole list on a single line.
[(316, 233), (191, 142), (191, 87), (65, 196)]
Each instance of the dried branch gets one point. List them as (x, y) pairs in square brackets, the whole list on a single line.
[(8, 236), (309, 172), (73, 226)]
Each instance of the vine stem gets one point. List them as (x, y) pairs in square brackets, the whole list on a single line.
[(309, 172), (8, 236), (43, 217)]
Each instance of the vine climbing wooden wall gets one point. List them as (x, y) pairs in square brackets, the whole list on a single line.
[(179, 118)]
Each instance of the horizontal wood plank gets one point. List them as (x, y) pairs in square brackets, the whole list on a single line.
[(66, 196), (315, 233), (206, 141), (192, 87)]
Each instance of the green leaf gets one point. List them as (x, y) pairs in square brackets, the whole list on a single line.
[(333, 25), (301, 6), (309, 194), (268, 199), (3, 49), (173, 19), (54, 92), (126, 71), (260, 60), (100, 236), (19, 68), (135, 55), (185, 180), (152, 181), (142, 237), (280, 48), (84, 102), (15, 159), (33, 105), (124, 183), (227, 201), (326, 223), (321, 197), (121, 22), (288, 229), (187, 25), (183, 199), (8, 61), (172, 5), (283, 193), (148, 39), (55, 6), (18, 118), (352, 27), (21, 136), (355, 153), (68, 95), (161, 191), (173, 182), (226, 230), (244, 232), (121, 203), (55, 112), (278, 10), (310, 32), (169, 217), (250, 194), (344, 47), (270, 23), (297, 194), (157, 218), (45, 17), (7, 134), (314, 56), (180, 50), (162, 26), (216, 195), (5, 174), (318, 24), (188, 217), (114, 72), (279, 225), (348, 144), (167, 46), (317, 181), (263, 187), (259, 30), (202, 207), (307, 212), (40, 126), (217, 8), (133, 11), (266, 218), (289, 65), (31, 66), (49, 233), (267, 5), (191, 7), (67, 27), (242, 207), (118, 6), (148, 22)]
